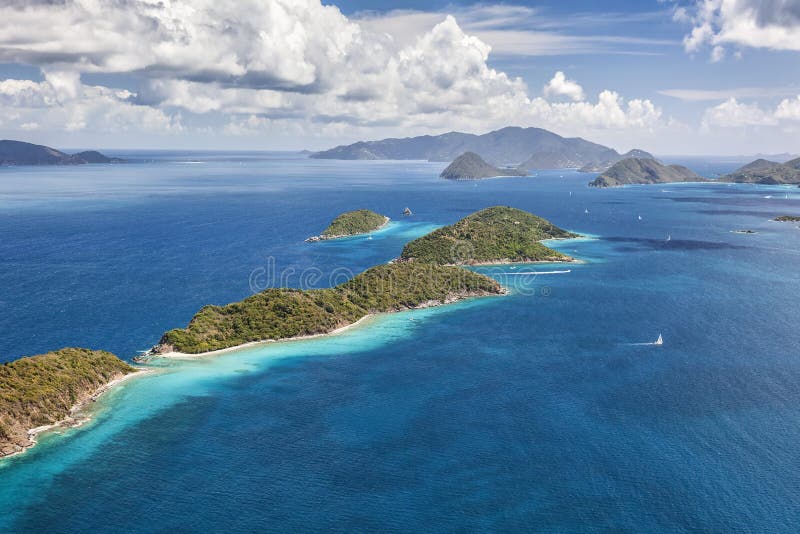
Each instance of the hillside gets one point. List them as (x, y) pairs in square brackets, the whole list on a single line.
[(762, 171), (633, 171), (493, 235), (41, 390), (470, 166), (352, 223), (535, 148), (289, 313), (602, 166), (21, 153)]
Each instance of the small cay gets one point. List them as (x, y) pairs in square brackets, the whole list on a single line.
[(352, 223), (41, 391)]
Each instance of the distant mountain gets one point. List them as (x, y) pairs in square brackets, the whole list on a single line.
[(533, 148), (470, 166), (644, 171), (762, 171), (602, 166), (21, 153)]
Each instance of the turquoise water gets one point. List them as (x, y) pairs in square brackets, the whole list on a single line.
[(529, 411)]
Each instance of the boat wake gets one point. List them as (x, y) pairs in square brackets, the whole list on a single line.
[(657, 343), (537, 272)]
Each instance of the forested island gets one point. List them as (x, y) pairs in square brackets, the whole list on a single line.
[(493, 235), (470, 166), (276, 314), (641, 171), (352, 223), (787, 218), (43, 390), (22, 153), (762, 171)]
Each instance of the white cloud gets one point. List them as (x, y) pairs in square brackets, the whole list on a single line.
[(559, 85), (281, 63), (789, 109), (734, 114), (771, 24)]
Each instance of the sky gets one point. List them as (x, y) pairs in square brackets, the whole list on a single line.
[(693, 77)]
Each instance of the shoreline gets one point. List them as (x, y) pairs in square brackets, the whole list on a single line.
[(175, 355), (75, 418), (323, 237)]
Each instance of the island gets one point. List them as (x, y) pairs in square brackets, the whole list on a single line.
[(352, 223), (602, 166), (470, 166), (639, 171), (762, 171), (529, 148), (493, 235), (39, 392), (21, 153), (787, 218), (282, 313)]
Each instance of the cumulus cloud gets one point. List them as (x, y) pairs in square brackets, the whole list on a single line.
[(772, 24), (732, 113), (267, 63), (559, 85)]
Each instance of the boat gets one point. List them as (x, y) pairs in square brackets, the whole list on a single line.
[(407, 211), (669, 237), (640, 217), (586, 211), (659, 341)]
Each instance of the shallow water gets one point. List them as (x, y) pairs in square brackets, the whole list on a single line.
[(530, 410)]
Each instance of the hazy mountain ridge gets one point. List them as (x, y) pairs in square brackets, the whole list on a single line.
[(22, 153), (529, 148)]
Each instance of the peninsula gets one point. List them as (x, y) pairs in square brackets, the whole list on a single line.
[(640, 171), (42, 391), (493, 235), (352, 223), (281, 314), (21, 153), (470, 166), (532, 148), (762, 171)]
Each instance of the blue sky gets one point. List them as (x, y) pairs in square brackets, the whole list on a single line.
[(688, 77)]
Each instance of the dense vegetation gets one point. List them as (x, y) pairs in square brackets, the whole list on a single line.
[(493, 235), (354, 222), (287, 313), (41, 390), (788, 218)]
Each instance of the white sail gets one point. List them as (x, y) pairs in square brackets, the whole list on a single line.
[(659, 341)]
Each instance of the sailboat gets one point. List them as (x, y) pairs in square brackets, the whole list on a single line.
[(659, 341), (669, 237)]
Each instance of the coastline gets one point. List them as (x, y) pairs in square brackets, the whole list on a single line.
[(75, 417), (323, 237), (175, 355)]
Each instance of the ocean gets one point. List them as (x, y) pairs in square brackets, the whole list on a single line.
[(540, 410)]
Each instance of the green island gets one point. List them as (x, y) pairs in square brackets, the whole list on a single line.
[(490, 236), (352, 223), (44, 390), (787, 218), (284, 313)]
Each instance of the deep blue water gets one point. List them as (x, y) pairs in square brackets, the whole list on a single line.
[(531, 411)]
